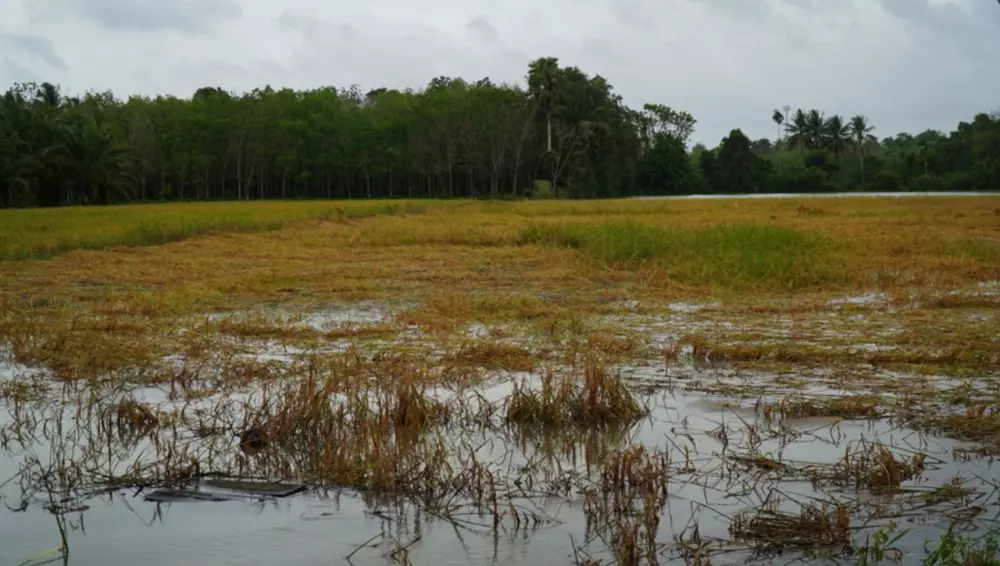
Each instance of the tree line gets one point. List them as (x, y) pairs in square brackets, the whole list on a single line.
[(566, 134)]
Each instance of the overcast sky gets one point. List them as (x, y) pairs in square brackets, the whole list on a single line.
[(908, 65)]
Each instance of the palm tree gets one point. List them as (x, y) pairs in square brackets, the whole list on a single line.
[(543, 79), (836, 135), (583, 110), (815, 129), (98, 164), (778, 119), (797, 130), (48, 95), (861, 136)]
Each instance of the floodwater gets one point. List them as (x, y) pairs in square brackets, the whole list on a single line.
[(326, 526), (320, 528), (901, 194)]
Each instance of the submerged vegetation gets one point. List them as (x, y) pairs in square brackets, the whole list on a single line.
[(643, 382)]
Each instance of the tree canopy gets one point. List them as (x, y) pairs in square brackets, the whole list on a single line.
[(453, 138)]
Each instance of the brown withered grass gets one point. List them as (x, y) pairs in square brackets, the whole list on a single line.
[(815, 526), (601, 399), (568, 292), (89, 312)]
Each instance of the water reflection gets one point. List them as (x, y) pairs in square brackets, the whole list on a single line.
[(688, 469)]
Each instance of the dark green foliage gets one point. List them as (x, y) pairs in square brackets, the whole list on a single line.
[(887, 181), (452, 139), (666, 168), (735, 168), (803, 180)]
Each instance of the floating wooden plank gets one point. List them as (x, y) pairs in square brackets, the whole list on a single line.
[(182, 495), (272, 489)]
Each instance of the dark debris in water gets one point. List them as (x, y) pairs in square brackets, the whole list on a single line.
[(271, 489), (183, 495), (223, 489)]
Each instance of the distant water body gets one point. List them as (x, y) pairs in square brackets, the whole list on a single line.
[(818, 195)]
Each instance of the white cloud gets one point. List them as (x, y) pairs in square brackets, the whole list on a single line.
[(907, 64)]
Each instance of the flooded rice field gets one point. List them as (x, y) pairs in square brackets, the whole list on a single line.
[(839, 431)]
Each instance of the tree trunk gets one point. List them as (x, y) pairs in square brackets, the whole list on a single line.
[(239, 175), (548, 129), (451, 177)]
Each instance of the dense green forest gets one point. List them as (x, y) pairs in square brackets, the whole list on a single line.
[(567, 134)]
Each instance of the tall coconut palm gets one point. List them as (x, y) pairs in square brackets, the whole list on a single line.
[(836, 135), (778, 119), (543, 83), (861, 137), (815, 129), (797, 130), (98, 163)]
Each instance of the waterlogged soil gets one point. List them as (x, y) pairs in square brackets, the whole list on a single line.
[(742, 421)]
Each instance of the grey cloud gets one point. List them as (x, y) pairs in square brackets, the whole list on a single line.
[(188, 16), (311, 26), (957, 13), (750, 11), (598, 48), (950, 27), (906, 64), (630, 13), (481, 27), (12, 72), (291, 20), (34, 47)]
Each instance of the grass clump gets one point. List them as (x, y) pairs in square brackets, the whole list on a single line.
[(627, 510), (850, 407), (873, 466), (958, 550), (131, 419), (979, 422), (491, 355), (813, 527), (18, 391), (732, 255), (347, 426), (602, 399)]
